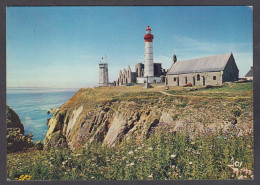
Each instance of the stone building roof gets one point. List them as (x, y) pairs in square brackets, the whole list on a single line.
[(205, 64), (249, 73)]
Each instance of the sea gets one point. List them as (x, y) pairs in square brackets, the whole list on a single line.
[(31, 104)]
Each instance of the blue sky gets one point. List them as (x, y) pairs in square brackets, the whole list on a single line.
[(62, 46)]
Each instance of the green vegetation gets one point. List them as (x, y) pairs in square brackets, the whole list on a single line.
[(240, 90), (165, 155)]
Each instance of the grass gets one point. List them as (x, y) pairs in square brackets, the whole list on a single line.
[(240, 90), (164, 156)]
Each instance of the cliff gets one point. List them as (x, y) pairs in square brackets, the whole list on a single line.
[(110, 114), (16, 140), (13, 120)]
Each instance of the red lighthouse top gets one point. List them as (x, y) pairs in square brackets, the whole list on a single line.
[(148, 28), (148, 37)]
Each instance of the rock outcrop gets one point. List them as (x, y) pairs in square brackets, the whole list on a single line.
[(13, 120), (108, 115), (16, 140)]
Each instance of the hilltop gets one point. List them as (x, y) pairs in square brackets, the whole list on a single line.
[(111, 114)]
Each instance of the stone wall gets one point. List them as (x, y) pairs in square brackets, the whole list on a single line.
[(231, 71), (205, 78)]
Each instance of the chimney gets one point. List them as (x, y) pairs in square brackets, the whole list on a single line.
[(174, 58)]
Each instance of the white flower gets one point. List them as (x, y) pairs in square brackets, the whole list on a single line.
[(190, 163), (173, 156), (150, 148), (150, 176), (130, 152)]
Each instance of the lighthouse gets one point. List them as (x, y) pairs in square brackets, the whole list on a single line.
[(150, 72), (148, 53)]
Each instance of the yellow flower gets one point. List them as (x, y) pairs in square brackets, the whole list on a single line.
[(25, 177)]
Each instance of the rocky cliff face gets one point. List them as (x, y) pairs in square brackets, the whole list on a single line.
[(109, 115), (16, 140), (13, 120)]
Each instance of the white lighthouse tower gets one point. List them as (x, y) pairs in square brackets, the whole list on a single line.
[(148, 60), (148, 53)]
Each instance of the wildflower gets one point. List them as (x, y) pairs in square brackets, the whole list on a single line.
[(173, 166), (150, 176), (25, 177), (236, 171), (190, 163), (132, 164), (131, 152), (193, 143), (150, 148), (92, 177), (173, 156), (249, 172)]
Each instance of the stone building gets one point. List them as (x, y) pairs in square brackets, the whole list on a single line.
[(249, 75), (212, 70), (103, 74), (128, 76)]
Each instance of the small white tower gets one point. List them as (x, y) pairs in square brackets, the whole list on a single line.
[(103, 74), (148, 53)]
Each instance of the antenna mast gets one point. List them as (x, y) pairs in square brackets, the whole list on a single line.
[(106, 57)]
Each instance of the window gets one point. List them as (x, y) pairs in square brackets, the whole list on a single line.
[(214, 77), (198, 77), (174, 79)]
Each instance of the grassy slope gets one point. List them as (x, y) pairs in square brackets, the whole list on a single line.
[(164, 155)]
